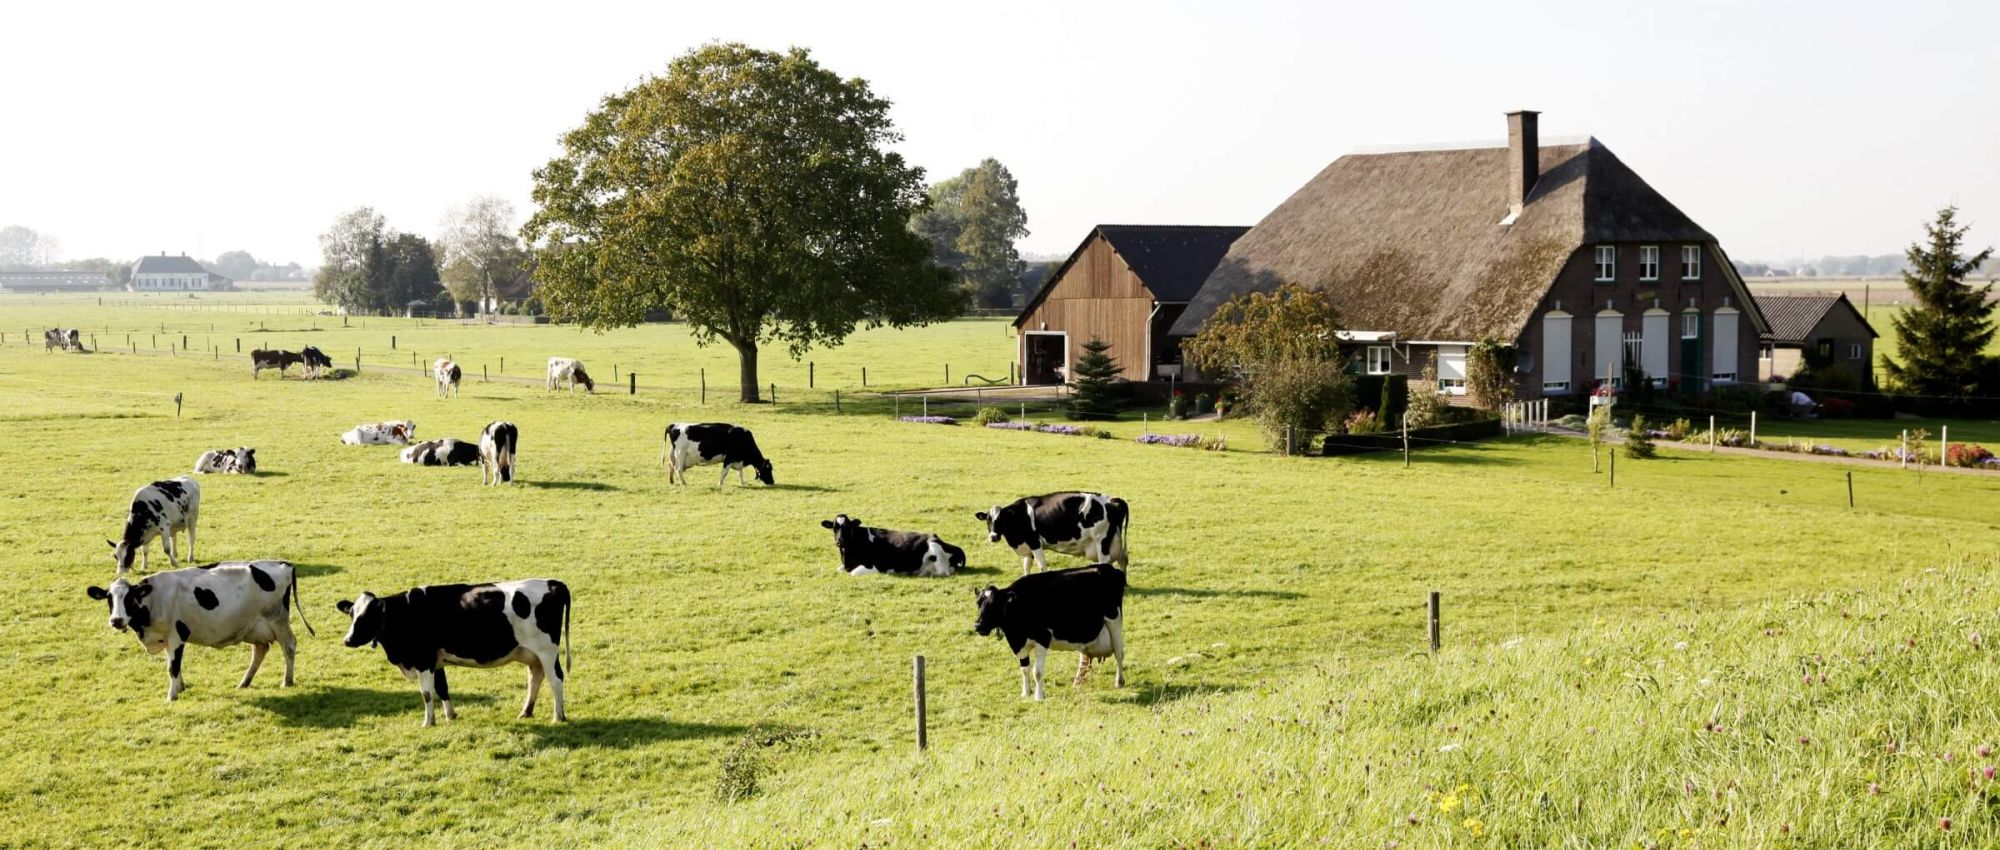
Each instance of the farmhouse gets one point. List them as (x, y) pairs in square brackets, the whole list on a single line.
[(1823, 331), (1560, 250), (53, 281), (1125, 284), (163, 273)]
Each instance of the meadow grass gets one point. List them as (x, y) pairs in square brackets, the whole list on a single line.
[(710, 619)]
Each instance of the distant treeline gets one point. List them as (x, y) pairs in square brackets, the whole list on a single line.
[(1859, 265)]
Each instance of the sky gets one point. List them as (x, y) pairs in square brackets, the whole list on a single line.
[(1788, 129)]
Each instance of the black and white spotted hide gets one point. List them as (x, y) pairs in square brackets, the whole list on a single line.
[(216, 605), (241, 461), (868, 551), (316, 361), (447, 374), (687, 445), (445, 452), (468, 625), (1092, 526), (159, 510), (496, 452), (1081, 609)]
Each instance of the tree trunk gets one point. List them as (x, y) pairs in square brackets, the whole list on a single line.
[(746, 358)]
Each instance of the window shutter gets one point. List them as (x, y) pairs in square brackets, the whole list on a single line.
[(1555, 348), (1610, 347), (1725, 342), (1653, 356)]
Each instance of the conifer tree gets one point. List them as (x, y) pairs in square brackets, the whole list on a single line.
[(1941, 342), (1093, 392)]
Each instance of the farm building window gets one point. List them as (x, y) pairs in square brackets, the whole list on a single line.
[(1854, 351), (1607, 263), (1690, 326), (1635, 347), (1690, 262), (1451, 369), (1649, 262), (1554, 387), (1378, 360)]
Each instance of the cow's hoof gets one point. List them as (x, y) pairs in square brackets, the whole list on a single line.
[(525, 715)]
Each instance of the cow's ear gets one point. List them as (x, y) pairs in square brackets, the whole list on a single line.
[(981, 516), (345, 607), (826, 523), (97, 593), (111, 544), (140, 590)]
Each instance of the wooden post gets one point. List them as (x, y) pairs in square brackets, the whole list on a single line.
[(1288, 441), (923, 734), (927, 405), (1434, 630), (177, 405), (357, 361), (614, 373), (947, 374), (184, 342), (1753, 429), (1406, 441), (632, 383), (1903, 450), (864, 376), (239, 345), (1850, 489), (1614, 466), (774, 392), (392, 342), (704, 385), (1711, 433), (812, 375), (1944, 436), (483, 377)]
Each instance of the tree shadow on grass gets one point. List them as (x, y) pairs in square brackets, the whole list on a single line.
[(1209, 593), (804, 488), (1157, 693), (620, 733), (594, 486), (337, 708), (969, 569), (310, 570), (270, 474)]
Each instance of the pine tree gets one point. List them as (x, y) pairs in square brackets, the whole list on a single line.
[(1942, 340), (1093, 394)]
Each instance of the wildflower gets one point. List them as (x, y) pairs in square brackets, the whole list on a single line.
[(1874, 790), (1803, 740), (1987, 772), (1475, 826), (1944, 824), (1984, 751), (1450, 803)]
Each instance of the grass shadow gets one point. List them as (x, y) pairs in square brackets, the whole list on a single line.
[(620, 733), (269, 474), (804, 488), (594, 486), (970, 570), (1210, 593), (1159, 693), (336, 708)]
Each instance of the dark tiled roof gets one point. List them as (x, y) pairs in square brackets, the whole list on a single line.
[(44, 281), (1793, 317), (163, 264), (1172, 260)]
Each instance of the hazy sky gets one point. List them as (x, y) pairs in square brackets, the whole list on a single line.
[(1785, 128)]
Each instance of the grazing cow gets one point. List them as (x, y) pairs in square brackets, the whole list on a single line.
[(468, 625), (314, 360), (868, 551), (566, 369), (496, 452), (690, 445), (261, 359), (160, 509), (447, 374), (1080, 609), (397, 433), (52, 339), (241, 460), (445, 452), (1091, 525), (215, 605)]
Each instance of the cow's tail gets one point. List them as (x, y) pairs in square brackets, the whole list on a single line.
[(569, 644), (1121, 517), (297, 604)]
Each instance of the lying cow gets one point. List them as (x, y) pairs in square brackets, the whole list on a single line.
[(315, 360), (159, 510), (496, 452), (1091, 525), (1078, 609), (468, 625), (241, 461), (563, 369), (215, 605), (445, 452), (867, 551), (393, 433), (689, 445), (447, 374), (261, 359)]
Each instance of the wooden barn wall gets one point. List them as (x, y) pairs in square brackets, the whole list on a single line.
[(1099, 296)]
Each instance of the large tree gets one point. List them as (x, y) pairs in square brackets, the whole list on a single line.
[(344, 258), (972, 223), (1284, 348), (235, 265), (1941, 342), (480, 249), (752, 194), (22, 247)]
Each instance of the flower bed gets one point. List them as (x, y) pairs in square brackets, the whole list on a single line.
[(930, 420), (1180, 440), (1065, 430)]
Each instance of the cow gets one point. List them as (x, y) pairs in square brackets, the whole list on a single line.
[(496, 452), (1080, 609), (468, 625), (241, 460), (261, 359), (567, 369), (868, 551), (160, 509), (447, 374), (213, 605), (395, 432), (314, 360), (690, 445), (73, 340), (1091, 525), (54, 338), (445, 452)]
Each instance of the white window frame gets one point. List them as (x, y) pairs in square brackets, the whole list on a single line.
[(1555, 387), (1607, 263), (1854, 351), (1649, 262), (1690, 262), (1387, 363), (1635, 348), (1463, 355), (1690, 321)]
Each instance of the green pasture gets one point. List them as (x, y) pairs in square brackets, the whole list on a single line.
[(1277, 690)]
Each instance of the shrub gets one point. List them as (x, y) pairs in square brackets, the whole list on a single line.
[(1489, 374), (1217, 443), (1094, 392), (1423, 406), (1363, 422), (744, 767), (1679, 430), (1967, 454), (1395, 399), (989, 415), (1297, 397), (1638, 441)]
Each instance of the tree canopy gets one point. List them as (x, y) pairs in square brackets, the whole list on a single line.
[(752, 194), (480, 249), (1285, 349), (972, 223), (366, 266), (1941, 341)]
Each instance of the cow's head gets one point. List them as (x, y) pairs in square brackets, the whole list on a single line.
[(403, 431), (992, 609), (122, 555), (127, 602), (763, 467), (589, 385), (844, 529), (246, 460), (367, 614), (992, 519)]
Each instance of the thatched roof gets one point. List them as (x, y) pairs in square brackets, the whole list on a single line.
[(1793, 317), (1172, 260), (1412, 241)]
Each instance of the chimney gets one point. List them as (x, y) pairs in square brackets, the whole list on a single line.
[(1524, 163)]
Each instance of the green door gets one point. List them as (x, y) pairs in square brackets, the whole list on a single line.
[(1692, 379)]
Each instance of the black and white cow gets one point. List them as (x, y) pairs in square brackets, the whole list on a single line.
[(54, 338), (496, 452), (1091, 525), (261, 359), (445, 452), (468, 625), (569, 370), (690, 445), (447, 374), (1080, 609), (241, 460), (398, 432), (867, 551), (160, 509), (314, 360), (215, 605)]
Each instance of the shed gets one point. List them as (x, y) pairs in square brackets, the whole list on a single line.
[(1824, 331)]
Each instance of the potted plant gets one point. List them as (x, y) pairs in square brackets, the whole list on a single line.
[(1177, 405), (1223, 402), (1202, 404)]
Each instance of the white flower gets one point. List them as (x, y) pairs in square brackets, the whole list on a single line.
[(1448, 747), (1680, 644)]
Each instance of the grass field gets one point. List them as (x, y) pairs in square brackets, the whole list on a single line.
[(1275, 606)]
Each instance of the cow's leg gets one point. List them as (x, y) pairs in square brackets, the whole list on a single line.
[(1025, 674), (424, 680), (174, 685), (167, 546), (1041, 664), (257, 651), (193, 513), (1041, 563), (557, 678), (534, 666), (1082, 669), (290, 646), (1118, 650), (443, 693)]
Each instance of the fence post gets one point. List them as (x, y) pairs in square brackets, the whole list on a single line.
[(947, 374), (1406, 441), (1614, 466), (239, 345), (1711, 433), (177, 405), (774, 392), (923, 734), (1434, 630), (184, 342), (1850, 489), (1903, 452), (357, 362), (483, 377), (1753, 429), (927, 405), (1145, 423), (704, 385), (632, 387), (1288, 441), (812, 376), (392, 342), (1944, 438), (614, 373), (864, 376)]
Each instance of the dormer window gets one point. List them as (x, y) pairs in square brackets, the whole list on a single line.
[(1607, 263), (1690, 262), (1649, 262)]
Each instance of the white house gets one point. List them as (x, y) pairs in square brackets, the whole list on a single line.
[(163, 273)]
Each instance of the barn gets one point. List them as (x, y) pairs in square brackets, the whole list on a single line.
[(1125, 284)]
